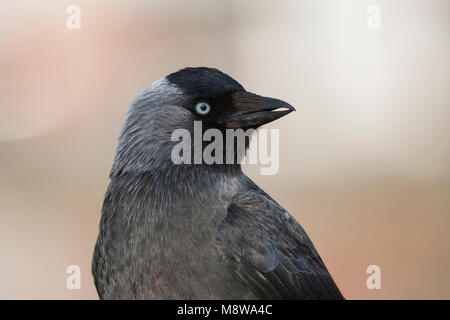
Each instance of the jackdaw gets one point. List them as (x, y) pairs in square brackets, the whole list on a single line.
[(198, 231)]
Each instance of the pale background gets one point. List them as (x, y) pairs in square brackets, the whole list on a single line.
[(364, 162)]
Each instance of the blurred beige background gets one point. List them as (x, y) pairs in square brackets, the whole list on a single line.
[(364, 162)]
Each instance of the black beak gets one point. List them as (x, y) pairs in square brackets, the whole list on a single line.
[(252, 110)]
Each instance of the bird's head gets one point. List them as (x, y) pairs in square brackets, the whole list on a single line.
[(177, 102)]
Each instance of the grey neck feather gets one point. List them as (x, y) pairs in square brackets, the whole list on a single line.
[(143, 158)]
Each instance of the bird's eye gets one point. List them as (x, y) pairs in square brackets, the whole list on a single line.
[(202, 108)]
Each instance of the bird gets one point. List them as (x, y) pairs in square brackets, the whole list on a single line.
[(198, 231)]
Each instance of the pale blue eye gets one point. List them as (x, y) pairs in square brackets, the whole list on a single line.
[(202, 108)]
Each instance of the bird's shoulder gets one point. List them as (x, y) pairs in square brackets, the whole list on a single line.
[(271, 252)]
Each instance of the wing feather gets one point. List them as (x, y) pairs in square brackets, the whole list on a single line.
[(272, 254)]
